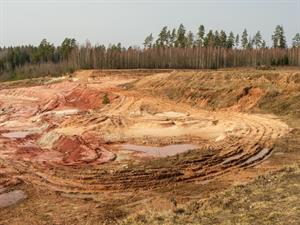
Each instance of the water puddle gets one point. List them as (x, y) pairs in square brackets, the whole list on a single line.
[(10, 198), (258, 156), (64, 112), (164, 151), (232, 158)]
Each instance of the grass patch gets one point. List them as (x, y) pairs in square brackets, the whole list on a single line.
[(270, 199)]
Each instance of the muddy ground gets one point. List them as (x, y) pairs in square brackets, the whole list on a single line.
[(95, 147)]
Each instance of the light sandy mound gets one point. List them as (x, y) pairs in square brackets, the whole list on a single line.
[(171, 114), (48, 139), (149, 79), (144, 129)]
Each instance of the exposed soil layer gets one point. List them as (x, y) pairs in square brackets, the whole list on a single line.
[(62, 136), (168, 150)]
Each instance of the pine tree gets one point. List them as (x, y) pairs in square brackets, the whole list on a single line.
[(148, 41), (275, 37), (237, 40), (200, 35), (67, 46), (209, 40), (296, 41), (162, 37), (244, 39), (282, 39), (190, 39), (181, 38), (168, 40), (216, 41), (250, 42), (278, 37), (45, 51), (173, 38), (230, 40), (257, 39), (223, 39)]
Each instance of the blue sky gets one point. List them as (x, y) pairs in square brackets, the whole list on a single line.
[(130, 21)]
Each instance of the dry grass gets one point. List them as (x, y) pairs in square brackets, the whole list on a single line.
[(223, 89), (271, 199)]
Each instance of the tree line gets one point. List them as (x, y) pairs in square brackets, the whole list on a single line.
[(181, 38), (174, 48)]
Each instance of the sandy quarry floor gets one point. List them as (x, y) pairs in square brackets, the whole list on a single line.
[(60, 137)]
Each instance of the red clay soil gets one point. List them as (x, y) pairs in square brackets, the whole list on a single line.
[(85, 98), (76, 150), (27, 113)]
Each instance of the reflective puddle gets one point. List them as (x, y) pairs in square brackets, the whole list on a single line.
[(258, 156), (64, 112), (163, 151)]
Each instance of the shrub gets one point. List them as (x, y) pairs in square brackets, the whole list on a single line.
[(105, 99)]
